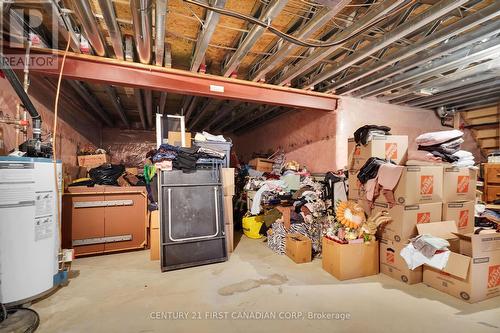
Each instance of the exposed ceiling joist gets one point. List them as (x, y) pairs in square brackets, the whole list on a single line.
[(319, 20), (205, 35), (270, 12), (388, 38), (90, 99), (109, 15), (140, 107), (115, 100), (420, 59), (443, 97), (303, 66), (423, 44), (480, 72)]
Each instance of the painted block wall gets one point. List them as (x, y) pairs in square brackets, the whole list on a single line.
[(70, 136), (318, 140)]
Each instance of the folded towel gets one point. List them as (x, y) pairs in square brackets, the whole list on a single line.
[(436, 138), (421, 155)]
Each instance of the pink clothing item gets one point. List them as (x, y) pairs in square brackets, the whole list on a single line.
[(436, 138), (422, 155), (387, 178)]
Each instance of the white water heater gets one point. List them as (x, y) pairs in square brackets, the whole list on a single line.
[(29, 230)]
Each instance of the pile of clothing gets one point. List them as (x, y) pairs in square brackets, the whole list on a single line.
[(426, 249), (441, 147), (378, 176), (363, 135), (169, 157), (205, 136)]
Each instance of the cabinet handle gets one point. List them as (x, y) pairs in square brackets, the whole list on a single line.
[(169, 200)]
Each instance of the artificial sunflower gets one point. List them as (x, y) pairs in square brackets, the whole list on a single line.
[(350, 214)]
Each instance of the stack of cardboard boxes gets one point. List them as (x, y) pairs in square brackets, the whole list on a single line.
[(439, 201), (228, 186), (424, 194)]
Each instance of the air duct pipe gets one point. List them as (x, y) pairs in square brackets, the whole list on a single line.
[(142, 19), (92, 32)]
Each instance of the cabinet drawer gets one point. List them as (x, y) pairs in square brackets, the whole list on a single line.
[(493, 193), (493, 174)]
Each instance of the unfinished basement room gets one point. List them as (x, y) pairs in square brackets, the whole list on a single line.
[(249, 166)]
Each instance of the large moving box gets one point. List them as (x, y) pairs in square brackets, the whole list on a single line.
[(393, 265), (462, 213), (459, 184), (472, 272), (393, 147), (298, 248), (262, 164), (93, 161), (405, 219), (418, 185), (350, 261)]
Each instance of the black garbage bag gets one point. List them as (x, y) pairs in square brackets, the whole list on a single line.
[(107, 174)]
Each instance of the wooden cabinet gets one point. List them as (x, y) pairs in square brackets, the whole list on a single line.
[(104, 219), (491, 182)]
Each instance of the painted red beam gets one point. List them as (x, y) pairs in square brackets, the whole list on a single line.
[(123, 73)]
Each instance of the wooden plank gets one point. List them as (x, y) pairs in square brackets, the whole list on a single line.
[(489, 143), (487, 133), (491, 111), (484, 120)]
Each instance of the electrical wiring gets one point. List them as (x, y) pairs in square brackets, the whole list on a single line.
[(288, 37), (54, 142)]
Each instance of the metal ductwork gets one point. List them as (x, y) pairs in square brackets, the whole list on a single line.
[(142, 19), (92, 32), (109, 15)]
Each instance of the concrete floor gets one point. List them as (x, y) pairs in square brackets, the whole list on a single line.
[(127, 293)]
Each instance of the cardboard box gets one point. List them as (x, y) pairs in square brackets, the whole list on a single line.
[(459, 184), (154, 235), (393, 147), (473, 269), (418, 185), (406, 218), (350, 261), (287, 212), (298, 248), (228, 210), (93, 161), (133, 171), (227, 175), (354, 185), (393, 265), (462, 213), (175, 139), (366, 205), (262, 164), (229, 230)]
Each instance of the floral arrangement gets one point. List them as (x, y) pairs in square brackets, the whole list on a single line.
[(351, 225)]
